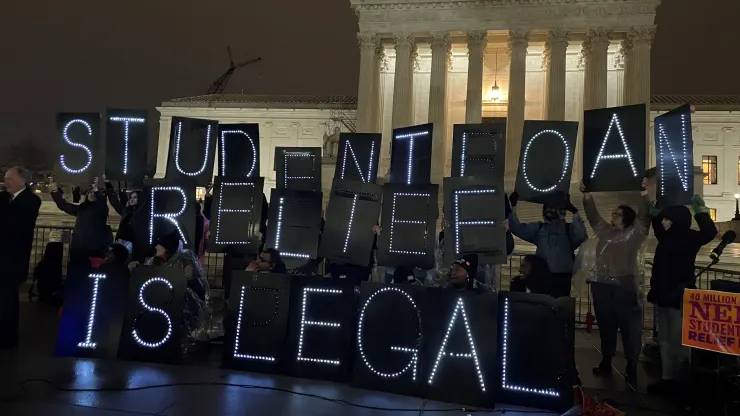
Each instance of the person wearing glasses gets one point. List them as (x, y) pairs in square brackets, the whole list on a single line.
[(617, 283), (269, 261)]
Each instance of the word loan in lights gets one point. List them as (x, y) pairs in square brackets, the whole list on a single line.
[(65, 134), (348, 149), (238, 333), (565, 161), (223, 150), (88, 342), (504, 356), (305, 323), (171, 216), (177, 151), (410, 137), (394, 221), (627, 155), (459, 223), (155, 310), (278, 234), (221, 210), (683, 173), (464, 153), (459, 308), (414, 352), (126, 121)]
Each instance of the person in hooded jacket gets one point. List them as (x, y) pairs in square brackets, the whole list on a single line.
[(673, 271), (127, 208), (462, 275)]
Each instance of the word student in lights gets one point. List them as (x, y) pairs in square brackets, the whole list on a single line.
[(169, 216), (348, 149), (459, 223), (223, 151), (168, 335), (237, 354), (279, 234), (65, 134), (410, 137), (305, 322), (414, 352), (394, 221), (177, 152), (683, 171), (565, 161), (626, 155), (126, 121), (88, 342)]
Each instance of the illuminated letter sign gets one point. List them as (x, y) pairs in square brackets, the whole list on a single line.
[(675, 148), (88, 342), (78, 149), (294, 225), (307, 322), (411, 155), (614, 148), (242, 160), (479, 150), (409, 224), (126, 144), (235, 217), (192, 149), (168, 333), (170, 210), (548, 146), (476, 214), (357, 157), (353, 210), (298, 168)]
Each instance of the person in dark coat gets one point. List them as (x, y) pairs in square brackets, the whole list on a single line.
[(126, 206), (534, 276), (19, 209), (673, 271), (462, 275)]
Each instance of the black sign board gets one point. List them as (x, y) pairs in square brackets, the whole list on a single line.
[(79, 148), (409, 217), (614, 148), (239, 151), (537, 350), (389, 335), (257, 328), (126, 144), (674, 147), (479, 150), (322, 328), (152, 329), (475, 212), (236, 213), (411, 155), (93, 312), (298, 168), (294, 225), (459, 348), (546, 160), (353, 210), (357, 157), (170, 209), (192, 150)]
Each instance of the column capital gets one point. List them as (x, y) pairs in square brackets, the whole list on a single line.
[(642, 34), (415, 57), (518, 38), (440, 39), (477, 38), (403, 40), (595, 38), (557, 36), (368, 39)]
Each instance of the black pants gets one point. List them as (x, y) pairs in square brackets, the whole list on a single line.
[(618, 309), (560, 284), (9, 312)]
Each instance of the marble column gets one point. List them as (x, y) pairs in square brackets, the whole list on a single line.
[(403, 85), (477, 41), (441, 51), (642, 40), (377, 126), (367, 89), (619, 67), (518, 43), (629, 86), (595, 51), (556, 47)]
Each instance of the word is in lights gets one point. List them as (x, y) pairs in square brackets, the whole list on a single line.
[(169, 216), (410, 137), (239, 325), (683, 172), (279, 234), (626, 155), (225, 210), (458, 222), (565, 161), (177, 152), (88, 342), (65, 134), (149, 308), (348, 149), (126, 121), (394, 221), (223, 151), (305, 322)]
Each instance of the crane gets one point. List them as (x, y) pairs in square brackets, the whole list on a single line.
[(220, 84)]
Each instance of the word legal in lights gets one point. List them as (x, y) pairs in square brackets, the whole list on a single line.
[(711, 321)]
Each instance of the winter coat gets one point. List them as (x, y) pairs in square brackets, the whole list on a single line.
[(556, 241), (92, 234)]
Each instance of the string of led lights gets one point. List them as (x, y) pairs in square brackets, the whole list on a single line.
[(566, 161), (289, 154), (464, 152), (231, 211), (628, 155), (278, 234), (459, 223), (683, 174), (126, 121), (394, 221), (171, 217), (206, 158), (65, 135), (88, 342), (410, 137), (305, 322), (239, 324), (349, 150), (349, 224), (223, 151), (149, 308)]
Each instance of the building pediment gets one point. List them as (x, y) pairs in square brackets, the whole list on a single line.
[(421, 16)]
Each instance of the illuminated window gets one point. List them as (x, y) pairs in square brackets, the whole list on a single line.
[(713, 214), (709, 167), (200, 193)]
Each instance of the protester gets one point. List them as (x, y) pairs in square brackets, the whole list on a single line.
[(127, 210), (673, 271), (555, 238), (170, 253), (269, 261), (19, 209), (616, 287), (201, 233), (534, 276), (118, 252), (462, 275)]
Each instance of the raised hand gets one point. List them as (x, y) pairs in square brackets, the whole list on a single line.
[(584, 191), (132, 265), (377, 229)]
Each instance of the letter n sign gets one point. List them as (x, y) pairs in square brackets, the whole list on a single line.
[(675, 152)]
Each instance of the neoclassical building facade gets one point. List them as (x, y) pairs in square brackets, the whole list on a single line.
[(468, 61)]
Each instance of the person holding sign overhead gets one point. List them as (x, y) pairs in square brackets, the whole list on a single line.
[(616, 284), (126, 208)]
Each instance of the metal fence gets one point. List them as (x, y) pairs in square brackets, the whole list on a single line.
[(213, 268)]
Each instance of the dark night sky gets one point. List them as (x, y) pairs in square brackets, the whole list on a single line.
[(86, 55)]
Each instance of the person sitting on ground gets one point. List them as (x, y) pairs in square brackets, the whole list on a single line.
[(269, 261), (534, 276), (462, 275), (118, 252)]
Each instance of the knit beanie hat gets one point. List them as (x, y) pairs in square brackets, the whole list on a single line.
[(469, 262), (170, 241)]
